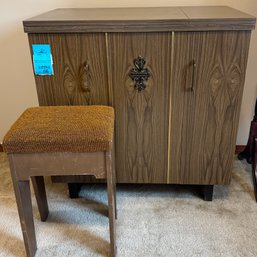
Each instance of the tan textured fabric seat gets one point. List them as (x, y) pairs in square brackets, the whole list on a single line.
[(61, 129)]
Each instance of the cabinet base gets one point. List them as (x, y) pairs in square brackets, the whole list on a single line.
[(208, 192), (74, 189)]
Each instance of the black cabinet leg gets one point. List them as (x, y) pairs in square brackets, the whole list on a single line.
[(208, 192), (247, 153), (74, 189)]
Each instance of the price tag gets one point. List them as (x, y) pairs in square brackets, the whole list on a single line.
[(42, 59)]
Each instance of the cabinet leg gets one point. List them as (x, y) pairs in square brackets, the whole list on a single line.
[(208, 192), (74, 189)]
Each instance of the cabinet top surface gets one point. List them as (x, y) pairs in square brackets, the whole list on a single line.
[(140, 19)]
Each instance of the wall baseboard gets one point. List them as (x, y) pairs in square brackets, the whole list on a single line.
[(239, 148)]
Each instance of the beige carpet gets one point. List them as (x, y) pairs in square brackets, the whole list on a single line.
[(165, 221)]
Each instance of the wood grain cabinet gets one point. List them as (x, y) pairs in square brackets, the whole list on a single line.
[(207, 84), (174, 75), (141, 116), (80, 70)]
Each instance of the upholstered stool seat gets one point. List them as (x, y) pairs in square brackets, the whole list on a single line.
[(61, 129), (59, 140)]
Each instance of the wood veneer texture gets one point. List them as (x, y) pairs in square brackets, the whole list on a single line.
[(182, 127), (151, 19), (140, 140), (203, 131), (80, 71)]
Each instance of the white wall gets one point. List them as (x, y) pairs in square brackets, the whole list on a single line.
[(17, 86)]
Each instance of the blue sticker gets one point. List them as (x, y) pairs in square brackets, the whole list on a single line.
[(42, 59)]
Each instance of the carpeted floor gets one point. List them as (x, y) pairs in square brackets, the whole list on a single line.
[(153, 221)]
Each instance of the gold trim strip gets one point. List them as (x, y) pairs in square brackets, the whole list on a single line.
[(110, 90), (170, 106)]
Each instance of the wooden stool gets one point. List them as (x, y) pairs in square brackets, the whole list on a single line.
[(59, 140)]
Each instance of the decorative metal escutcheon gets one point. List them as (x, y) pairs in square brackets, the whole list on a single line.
[(139, 74)]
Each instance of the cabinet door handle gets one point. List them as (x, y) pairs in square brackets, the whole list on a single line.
[(193, 76), (84, 77)]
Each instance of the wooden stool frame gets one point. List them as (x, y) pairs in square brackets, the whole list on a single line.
[(36, 165)]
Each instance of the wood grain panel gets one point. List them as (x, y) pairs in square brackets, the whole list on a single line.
[(142, 19), (205, 121), (80, 75), (80, 70), (141, 117)]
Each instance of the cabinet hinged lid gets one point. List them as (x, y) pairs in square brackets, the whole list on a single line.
[(194, 18)]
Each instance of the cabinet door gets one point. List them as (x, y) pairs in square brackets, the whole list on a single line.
[(80, 69), (206, 100), (141, 116)]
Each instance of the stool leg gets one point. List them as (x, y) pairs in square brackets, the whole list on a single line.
[(40, 193), (114, 185), (23, 199), (254, 162), (114, 194), (111, 202)]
